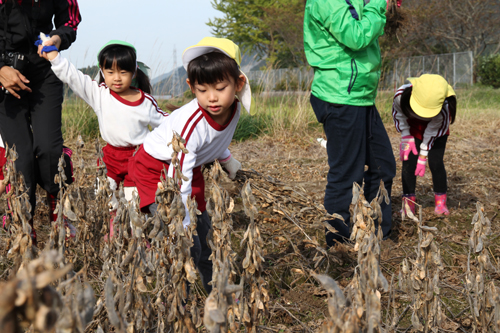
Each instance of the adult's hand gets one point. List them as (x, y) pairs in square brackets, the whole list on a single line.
[(12, 80), (54, 40)]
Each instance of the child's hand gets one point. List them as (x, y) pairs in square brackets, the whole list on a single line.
[(48, 47), (231, 165), (406, 147), (421, 163)]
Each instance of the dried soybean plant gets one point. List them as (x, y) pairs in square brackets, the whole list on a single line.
[(29, 299), (255, 303), (483, 297), (78, 306), (360, 307), (18, 222), (104, 201), (288, 204), (345, 312), (60, 232), (129, 266), (218, 316), (421, 279), (220, 206), (368, 279), (178, 243)]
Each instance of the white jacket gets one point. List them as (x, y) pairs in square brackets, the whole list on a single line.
[(206, 141), (121, 123)]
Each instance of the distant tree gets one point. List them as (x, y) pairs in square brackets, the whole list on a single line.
[(438, 26), (89, 70), (272, 29), (445, 26)]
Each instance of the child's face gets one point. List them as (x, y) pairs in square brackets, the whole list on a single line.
[(117, 79), (218, 98)]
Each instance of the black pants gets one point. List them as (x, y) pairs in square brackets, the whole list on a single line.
[(33, 125), (436, 165), (200, 251), (356, 137)]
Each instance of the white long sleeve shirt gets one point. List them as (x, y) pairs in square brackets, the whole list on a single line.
[(206, 141), (121, 123), (427, 131)]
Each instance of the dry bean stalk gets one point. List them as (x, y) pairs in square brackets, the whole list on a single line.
[(345, 313), (254, 305), (483, 299), (219, 306), (369, 278), (20, 245), (360, 308), (220, 206), (29, 299), (421, 279)]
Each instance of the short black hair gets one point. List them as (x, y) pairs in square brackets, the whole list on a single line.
[(211, 68), (126, 59), (124, 56)]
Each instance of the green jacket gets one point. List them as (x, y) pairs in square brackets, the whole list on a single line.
[(341, 44)]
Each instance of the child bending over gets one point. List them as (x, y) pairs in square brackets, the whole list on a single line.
[(207, 123), (423, 111)]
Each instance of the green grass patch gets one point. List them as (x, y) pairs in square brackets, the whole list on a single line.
[(251, 126), (286, 115), (79, 118)]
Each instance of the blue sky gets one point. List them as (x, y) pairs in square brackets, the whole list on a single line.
[(153, 26)]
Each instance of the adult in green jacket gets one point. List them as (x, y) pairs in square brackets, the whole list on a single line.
[(341, 44)]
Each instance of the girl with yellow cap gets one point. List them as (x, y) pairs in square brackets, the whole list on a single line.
[(423, 111)]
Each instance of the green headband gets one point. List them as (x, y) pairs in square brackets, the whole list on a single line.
[(112, 43)]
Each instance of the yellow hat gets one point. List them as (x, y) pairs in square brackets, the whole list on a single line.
[(229, 48), (428, 94)]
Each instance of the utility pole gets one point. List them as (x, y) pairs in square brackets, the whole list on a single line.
[(175, 76)]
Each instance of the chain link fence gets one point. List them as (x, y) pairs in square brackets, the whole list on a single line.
[(283, 79), (456, 68)]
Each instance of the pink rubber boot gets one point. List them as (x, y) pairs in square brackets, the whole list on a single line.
[(440, 203)]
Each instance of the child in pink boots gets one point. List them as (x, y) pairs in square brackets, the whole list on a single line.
[(423, 111)]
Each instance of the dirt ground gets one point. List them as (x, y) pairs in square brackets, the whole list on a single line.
[(473, 167), (300, 165)]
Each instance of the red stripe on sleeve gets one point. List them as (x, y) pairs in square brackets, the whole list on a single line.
[(73, 12), (189, 122), (189, 135), (155, 103)]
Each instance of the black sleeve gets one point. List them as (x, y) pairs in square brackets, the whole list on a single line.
[(66, 20)]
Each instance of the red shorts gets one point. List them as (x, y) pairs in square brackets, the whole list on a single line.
[(145, 171), (3, 161), (117, 161)]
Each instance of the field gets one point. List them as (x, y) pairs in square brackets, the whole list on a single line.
[(268, 240)]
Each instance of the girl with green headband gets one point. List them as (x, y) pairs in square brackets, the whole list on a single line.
[(123, 105)]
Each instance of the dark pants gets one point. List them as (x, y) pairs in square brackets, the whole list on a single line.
[(356, 137), (33, 125), (436, 165), (200, 251)]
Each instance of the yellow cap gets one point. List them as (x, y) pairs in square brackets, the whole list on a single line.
[(229, 48), (428, 94)]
